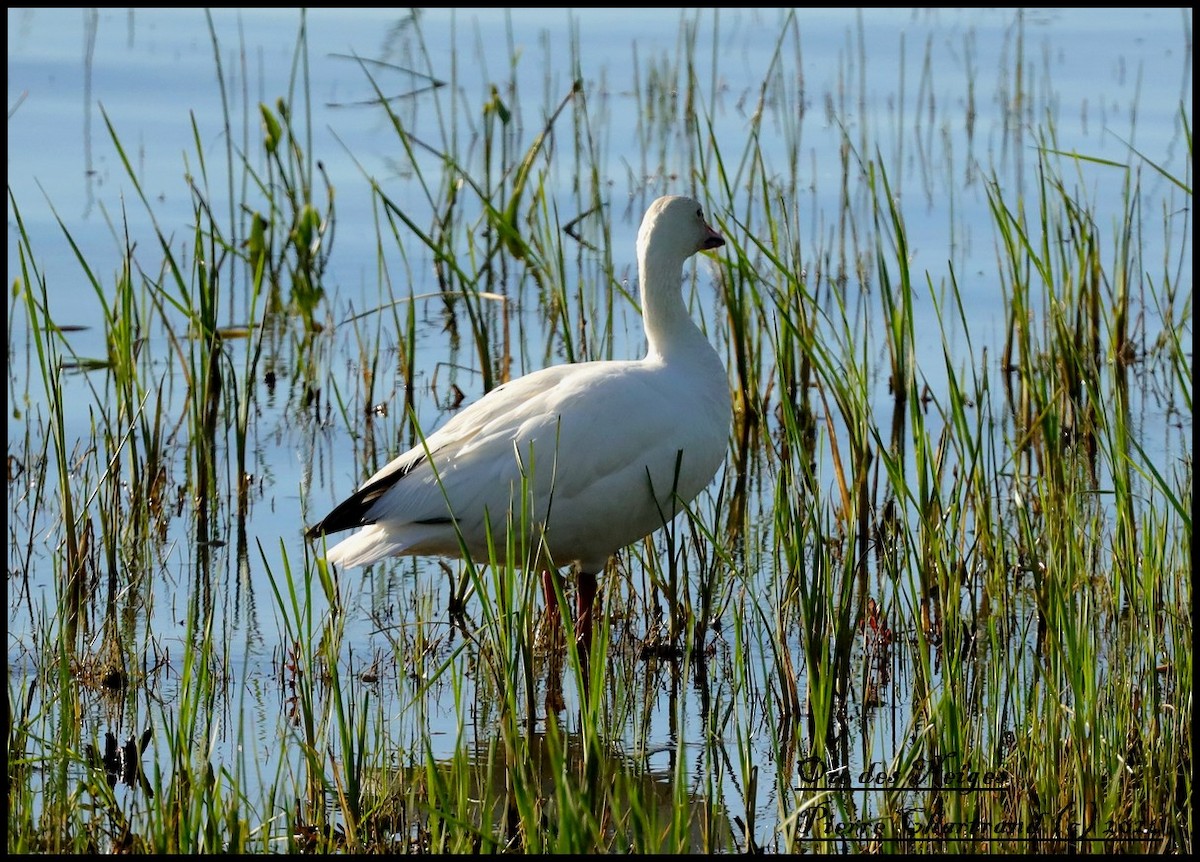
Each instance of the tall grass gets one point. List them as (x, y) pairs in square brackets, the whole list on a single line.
[(939, 600)]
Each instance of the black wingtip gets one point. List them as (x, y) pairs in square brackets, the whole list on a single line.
[(354, 510), (351, 512), (347, 515)]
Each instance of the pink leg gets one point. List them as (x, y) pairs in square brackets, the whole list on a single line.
[(585, 603), (552, 614)]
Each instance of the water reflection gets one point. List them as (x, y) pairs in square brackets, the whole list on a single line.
[(558, 785)]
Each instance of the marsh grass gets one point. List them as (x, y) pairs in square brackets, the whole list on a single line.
[(937, 599)]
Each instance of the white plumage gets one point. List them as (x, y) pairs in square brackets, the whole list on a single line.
[(606, 451)]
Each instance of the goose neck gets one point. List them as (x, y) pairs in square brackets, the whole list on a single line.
[(669, 327)]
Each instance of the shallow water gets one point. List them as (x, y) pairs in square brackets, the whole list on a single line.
[(1105, 82)]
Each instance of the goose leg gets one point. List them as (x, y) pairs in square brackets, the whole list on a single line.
[(548, 576), (551, 625), (585, 601)]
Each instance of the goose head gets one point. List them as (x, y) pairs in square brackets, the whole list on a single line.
[(674, 229)]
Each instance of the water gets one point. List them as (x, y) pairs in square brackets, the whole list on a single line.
[(950, 119)]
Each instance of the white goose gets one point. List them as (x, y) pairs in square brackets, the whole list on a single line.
[(606, 452)]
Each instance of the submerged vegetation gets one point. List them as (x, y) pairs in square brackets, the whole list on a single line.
[(939, 600)]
